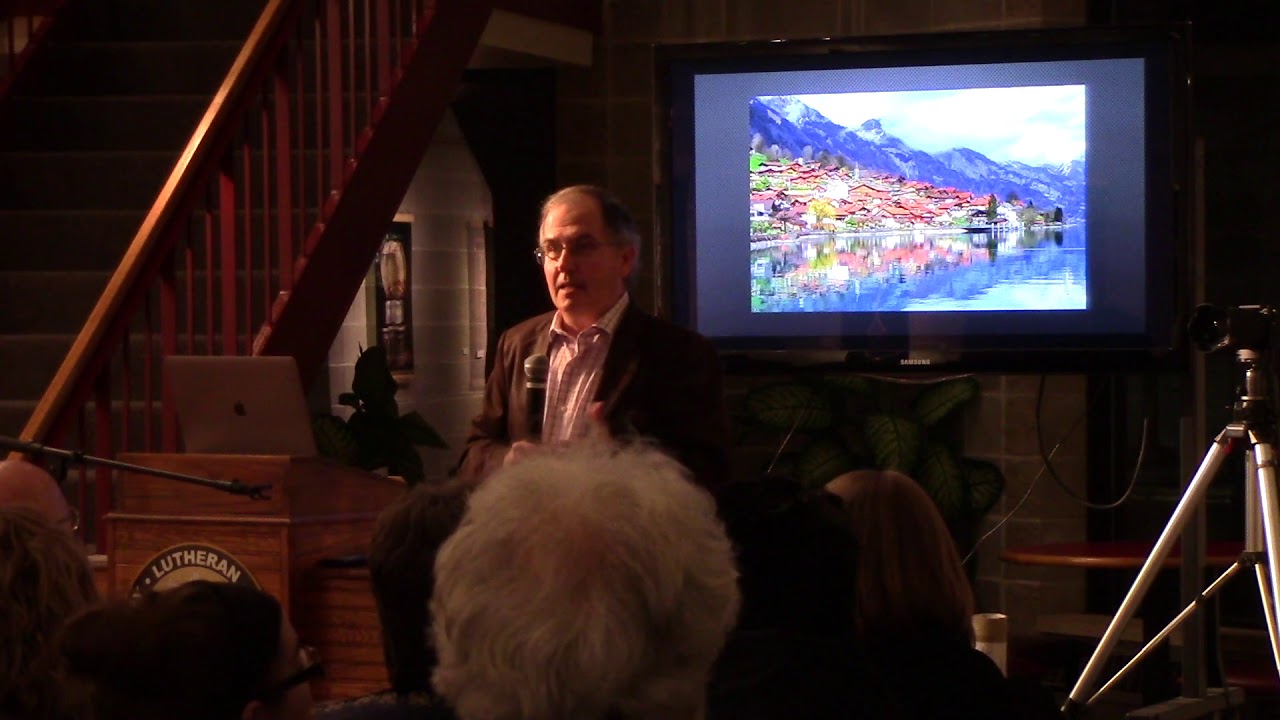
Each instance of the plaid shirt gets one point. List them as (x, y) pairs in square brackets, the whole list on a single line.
[(576, 366)]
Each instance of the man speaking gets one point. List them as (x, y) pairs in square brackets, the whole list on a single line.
[(597, 358)]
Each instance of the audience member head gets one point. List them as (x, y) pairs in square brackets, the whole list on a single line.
[(910, 580), (44, 580), (23, 484), (585, 582), (402, 560), (201, 651), (796, 554)]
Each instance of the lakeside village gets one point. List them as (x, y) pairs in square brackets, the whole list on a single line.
[(847, 222)]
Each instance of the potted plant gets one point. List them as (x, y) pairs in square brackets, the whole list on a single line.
[(376, 436), (827, 424)]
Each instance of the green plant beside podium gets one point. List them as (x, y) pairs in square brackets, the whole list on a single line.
[(376, 436)]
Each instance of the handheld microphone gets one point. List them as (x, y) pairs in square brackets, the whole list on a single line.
[(536, 368)]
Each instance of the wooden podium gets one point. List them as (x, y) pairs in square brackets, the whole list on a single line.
[(164, 532)]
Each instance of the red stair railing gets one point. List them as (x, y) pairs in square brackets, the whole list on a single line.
[(284, 188)]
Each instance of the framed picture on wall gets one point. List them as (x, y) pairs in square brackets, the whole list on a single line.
[(392, 297)]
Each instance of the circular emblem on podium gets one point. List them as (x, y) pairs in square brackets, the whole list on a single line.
[(178, 564)]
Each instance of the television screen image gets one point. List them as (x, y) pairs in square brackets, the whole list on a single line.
[(881, 202), (1007, 200)]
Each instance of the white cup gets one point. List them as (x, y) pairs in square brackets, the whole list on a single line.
[(991, 636)]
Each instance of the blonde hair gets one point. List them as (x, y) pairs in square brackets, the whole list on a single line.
[(44, 579), (910, 578)]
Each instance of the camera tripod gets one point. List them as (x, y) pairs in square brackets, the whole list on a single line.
[(1253, 427)]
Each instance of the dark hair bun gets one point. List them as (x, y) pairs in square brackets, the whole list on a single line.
[(201, 650), (108, 644)]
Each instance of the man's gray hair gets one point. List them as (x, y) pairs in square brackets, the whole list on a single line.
[(617, 218), (584, 581)]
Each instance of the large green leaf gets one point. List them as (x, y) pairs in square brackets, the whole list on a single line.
[(373, 435), (334, 439), (404, 460), (373, 382), (850, 383), (939, 473), (784, 465), (783, 406), (821, 461), (743, 425), (888, 395), (937, 401), (419, 431), (985, 483), (894, 442)]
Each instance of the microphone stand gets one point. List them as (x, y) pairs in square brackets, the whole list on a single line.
[(235, 487)]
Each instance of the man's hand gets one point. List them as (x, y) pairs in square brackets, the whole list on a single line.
[(595, 416), (520, 449)]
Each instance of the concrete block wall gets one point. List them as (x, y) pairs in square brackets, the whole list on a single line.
[(1002, 427)]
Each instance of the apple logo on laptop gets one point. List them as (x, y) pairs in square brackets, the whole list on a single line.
[(238, 409)]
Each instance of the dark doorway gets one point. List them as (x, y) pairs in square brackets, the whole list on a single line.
[(508, 119)]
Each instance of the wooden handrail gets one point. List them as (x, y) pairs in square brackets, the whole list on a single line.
[(109, 314)]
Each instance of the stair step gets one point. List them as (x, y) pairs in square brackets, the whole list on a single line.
[(124, 123), (31, 360), (58, 302), (188, 20), (13, 416), (29, 363), (82, 240), (92, 181), (65, 240), (48, 302), (137, 68), (15, 413)]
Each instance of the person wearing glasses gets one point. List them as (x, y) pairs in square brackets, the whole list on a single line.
[(201, 651), (612, 365), (23, 484)]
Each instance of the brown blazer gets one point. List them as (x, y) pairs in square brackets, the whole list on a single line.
[(660, 381)]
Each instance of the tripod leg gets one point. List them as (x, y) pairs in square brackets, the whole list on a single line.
[(1194, 605), (1191, 498), (1268, 609), (1265, 459)]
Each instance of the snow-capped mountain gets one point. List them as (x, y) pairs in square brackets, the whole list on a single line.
[(795, 127)]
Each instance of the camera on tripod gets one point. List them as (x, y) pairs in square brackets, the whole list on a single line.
[(1247, 327), (1248, 331)]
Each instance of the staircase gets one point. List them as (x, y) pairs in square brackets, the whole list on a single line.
[(86, 141), (200, 177)]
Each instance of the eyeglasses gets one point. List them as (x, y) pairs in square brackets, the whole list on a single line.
[(72, 519), (553, 251), (312, 669)]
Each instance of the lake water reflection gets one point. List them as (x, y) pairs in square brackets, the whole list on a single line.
[(1023, 269)]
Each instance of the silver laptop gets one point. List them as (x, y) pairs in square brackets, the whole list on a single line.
[(228, 404)]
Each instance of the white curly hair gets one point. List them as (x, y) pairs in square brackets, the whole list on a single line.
[(585, 582)]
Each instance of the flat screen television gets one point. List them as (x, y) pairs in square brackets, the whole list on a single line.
[(1012, 200)]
